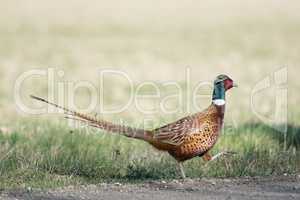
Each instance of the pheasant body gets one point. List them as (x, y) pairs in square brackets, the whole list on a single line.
[(198, 139)]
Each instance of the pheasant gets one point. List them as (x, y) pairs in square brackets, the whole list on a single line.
[(189, 137)]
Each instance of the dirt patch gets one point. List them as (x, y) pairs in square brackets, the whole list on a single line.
[(286, 187)]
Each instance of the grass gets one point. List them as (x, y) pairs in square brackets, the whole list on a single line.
[(43, 154)]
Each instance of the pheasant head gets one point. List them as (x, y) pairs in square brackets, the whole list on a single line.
[(222, 83)]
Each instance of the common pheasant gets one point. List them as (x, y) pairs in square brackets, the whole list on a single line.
[(184, 139)]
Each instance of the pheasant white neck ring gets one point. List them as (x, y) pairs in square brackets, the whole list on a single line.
[(219, 102)]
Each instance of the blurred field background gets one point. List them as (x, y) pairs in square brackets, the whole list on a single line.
[(150, 41)]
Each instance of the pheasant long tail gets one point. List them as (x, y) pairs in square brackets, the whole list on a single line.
[(105, 125)]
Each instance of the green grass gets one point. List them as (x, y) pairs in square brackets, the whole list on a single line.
[(44, 154)]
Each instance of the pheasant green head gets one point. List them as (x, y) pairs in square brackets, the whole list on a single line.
[(221, 84)]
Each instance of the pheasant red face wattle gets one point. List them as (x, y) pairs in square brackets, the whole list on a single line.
[(228, 84)]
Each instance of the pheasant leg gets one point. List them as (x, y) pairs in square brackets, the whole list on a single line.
[(208, 157), (181, 170)]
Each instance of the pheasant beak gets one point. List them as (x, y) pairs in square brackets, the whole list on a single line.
[(234, 85)]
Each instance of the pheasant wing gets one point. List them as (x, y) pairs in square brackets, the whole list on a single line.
[(175, 132)]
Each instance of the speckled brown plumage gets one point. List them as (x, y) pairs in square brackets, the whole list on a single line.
[(191, 136)]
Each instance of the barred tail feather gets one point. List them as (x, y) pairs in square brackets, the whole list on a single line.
[(105, 125)]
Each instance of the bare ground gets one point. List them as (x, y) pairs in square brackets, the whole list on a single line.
[(286, 187)]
